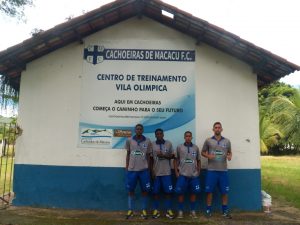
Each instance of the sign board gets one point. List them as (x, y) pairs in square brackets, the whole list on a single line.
[(122, 87)]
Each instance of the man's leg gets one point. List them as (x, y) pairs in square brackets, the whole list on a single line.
[(224, 188), (144, 179), (155, 192), (208, 203), (131, 181), (195, 189), (224, 202), (180, 205), (180, 189), (210, 183), (130, 200), (166, 182)]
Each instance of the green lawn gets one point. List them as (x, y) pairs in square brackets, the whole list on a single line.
[(281, 178), (6, 174)]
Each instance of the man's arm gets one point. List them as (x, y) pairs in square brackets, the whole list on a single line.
[(127, 159), (148, 155), (151, 165), (198, 161), (205, 152), (176, 167), (229, 156), (127, 147), (207, 155), (170, 154), (199, 166), (229, 152), (176, 158)]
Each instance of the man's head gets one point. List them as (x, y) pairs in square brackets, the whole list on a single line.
[(188, 136), (159, 134), (217, 128), (139, 128)]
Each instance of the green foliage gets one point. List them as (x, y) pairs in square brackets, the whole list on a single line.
[(270, 133), (14, 8), (279, 106), (9, 96), (9, 131)]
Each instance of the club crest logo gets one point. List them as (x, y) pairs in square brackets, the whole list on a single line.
[(94, 54)]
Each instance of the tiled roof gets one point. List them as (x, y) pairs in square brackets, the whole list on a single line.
[(268, 66)]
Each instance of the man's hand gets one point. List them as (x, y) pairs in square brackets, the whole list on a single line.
[(152, 173), (211, 156), (229, 155)]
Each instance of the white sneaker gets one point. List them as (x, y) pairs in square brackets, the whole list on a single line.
[(193, 214), (180, 214)]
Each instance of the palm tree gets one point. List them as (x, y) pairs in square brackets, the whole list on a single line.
[(270, 133), (286, 114)]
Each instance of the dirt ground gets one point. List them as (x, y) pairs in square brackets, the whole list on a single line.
[(282, 214)]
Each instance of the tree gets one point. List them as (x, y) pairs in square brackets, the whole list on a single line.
[(270, 133), (279, 106), (286, 114), (14, 8)]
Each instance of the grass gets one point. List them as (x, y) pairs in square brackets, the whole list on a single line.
[(281, 178), (6, 174)]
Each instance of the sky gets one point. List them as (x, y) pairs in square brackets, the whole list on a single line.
[(271, 24)]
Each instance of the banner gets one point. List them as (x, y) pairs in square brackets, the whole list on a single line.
[(122, 87)]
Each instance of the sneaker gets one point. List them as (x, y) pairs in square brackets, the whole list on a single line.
[(129, 214), (227, 215), (180, 214), (208, 213), (144, 214), (193, 214), (155, 214), (170, 214)]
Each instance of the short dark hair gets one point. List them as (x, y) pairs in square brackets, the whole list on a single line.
[(139, 125), (159, 129), (188, 132), (217, 123)]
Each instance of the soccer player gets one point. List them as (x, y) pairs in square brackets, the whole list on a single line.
[(137, 165), (218, 150), (187, 170), (162, 153)]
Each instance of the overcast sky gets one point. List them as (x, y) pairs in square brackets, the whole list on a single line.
[(271, 24)]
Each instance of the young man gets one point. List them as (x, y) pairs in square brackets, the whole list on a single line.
[(187, 170), (137, 161), (162, 153), (218, 150)]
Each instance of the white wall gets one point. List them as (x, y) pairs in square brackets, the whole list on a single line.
[(49, 109)]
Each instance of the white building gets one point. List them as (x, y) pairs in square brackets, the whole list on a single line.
[(55, 167)]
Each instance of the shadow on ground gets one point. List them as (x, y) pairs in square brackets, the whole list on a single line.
[(282, 214)]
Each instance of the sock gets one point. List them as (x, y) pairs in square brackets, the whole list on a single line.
[(180, 206), (130, 202), (224, 208), (168, 204), (208, 208), (144, 202), (155, 203), (193, 206)]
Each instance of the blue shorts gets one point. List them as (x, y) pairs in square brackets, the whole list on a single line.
[(183, 183), (142, 176), (162, 182), (219, 178)]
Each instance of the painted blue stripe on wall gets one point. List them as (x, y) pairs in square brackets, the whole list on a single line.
[(103, 188)]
